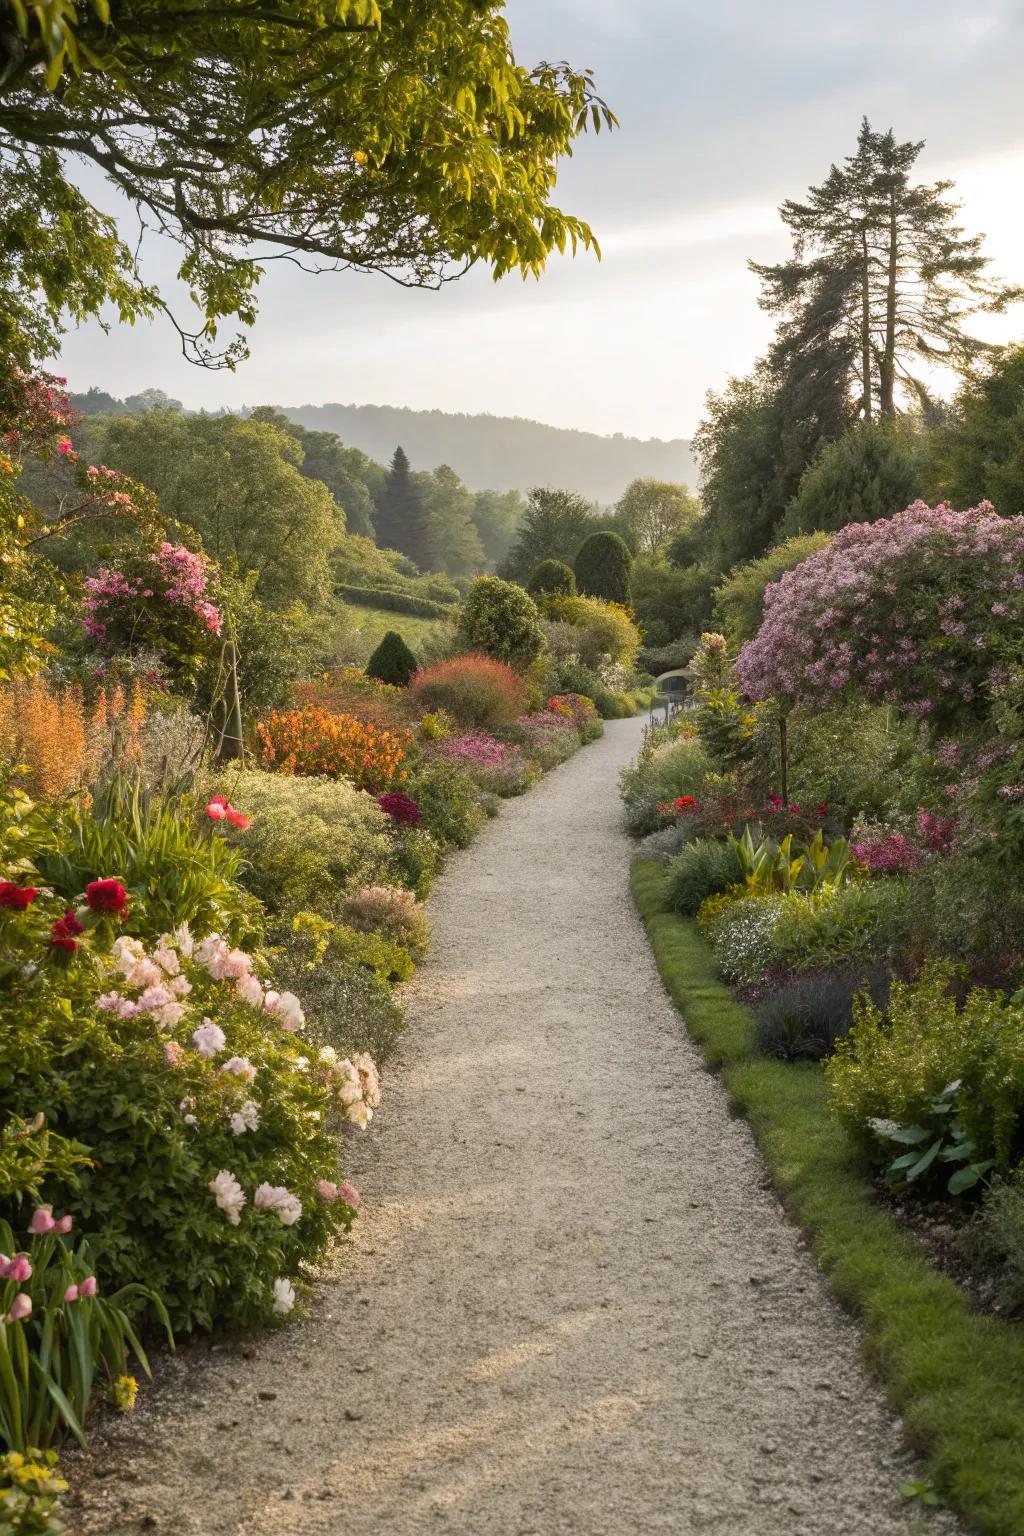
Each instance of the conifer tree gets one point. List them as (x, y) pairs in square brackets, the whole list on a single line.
[(888, 275), (401, 519), (392, 661)]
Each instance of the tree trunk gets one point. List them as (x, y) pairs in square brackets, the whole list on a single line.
[(865, 326), (887, 369), (783, 760)]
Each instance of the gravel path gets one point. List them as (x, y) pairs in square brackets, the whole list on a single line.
[(572, 1305)]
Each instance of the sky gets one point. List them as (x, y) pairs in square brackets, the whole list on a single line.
[(725, 109)]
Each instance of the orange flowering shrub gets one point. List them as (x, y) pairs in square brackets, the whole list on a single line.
[(313, 740), (474, 689), (59, 742)]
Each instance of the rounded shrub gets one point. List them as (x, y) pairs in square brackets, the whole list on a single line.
[(603, 567), (474, 689), (553, 576), (392, 661), (501, 620)]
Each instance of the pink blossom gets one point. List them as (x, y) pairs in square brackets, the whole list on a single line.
[(173, 1053), (350, 1194), (42, 1221), (274, 1197), (71, 1294), (240, 1066), (20, 1268), (63, 1226), (20, 1308), (88, 1286)]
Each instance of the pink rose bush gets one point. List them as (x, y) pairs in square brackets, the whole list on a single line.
[(212, 1127)]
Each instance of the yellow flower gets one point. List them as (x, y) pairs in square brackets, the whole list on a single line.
[(123, 1393)]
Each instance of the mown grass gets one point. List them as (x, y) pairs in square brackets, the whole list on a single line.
[(371, 624), (956, 1378)]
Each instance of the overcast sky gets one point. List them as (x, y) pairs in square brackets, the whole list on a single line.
[(725, 110)]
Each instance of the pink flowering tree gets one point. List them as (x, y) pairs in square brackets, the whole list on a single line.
[(36, 419), (923, 611), (163, 600)]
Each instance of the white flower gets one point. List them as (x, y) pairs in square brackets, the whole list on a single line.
[(180, 986), (240, 1066), (167, 959), (360, 1114), (184, 941), (126, 952), (246, 1119), (284, 1297), (249, 990), (328, 1055), (208, 1039), (170, 1015), (287, 1010), (228, 1194), (274, 1197)]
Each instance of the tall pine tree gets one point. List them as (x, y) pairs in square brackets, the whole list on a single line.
[(884, 275), (402, 521)]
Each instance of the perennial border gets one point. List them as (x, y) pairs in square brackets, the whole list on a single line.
[(956, 1377)]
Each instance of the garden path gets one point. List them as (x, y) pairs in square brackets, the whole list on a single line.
[(572, 1304)]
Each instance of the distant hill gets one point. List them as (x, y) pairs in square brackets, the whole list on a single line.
[(503, 453)]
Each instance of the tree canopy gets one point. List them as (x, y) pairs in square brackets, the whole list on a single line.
[(870, 473), (238, 484), (882, 274), (651, 512), (552, 527), (397, 136)]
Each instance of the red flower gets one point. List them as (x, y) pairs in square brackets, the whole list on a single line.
[(106, 896), (220, 809), (63, 934), (685, 803), (400, 807), (16, 897), (823, 810)]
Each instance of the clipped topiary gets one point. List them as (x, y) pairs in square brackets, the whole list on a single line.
[(553, 576), (603, 567), (501, 620), (392, 661)]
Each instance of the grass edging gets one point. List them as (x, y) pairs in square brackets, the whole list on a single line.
[(957, 1378)]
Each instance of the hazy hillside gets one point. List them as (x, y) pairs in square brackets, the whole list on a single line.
[(503, 453)]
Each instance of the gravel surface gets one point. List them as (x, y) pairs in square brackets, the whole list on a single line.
[(573, 1304)]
